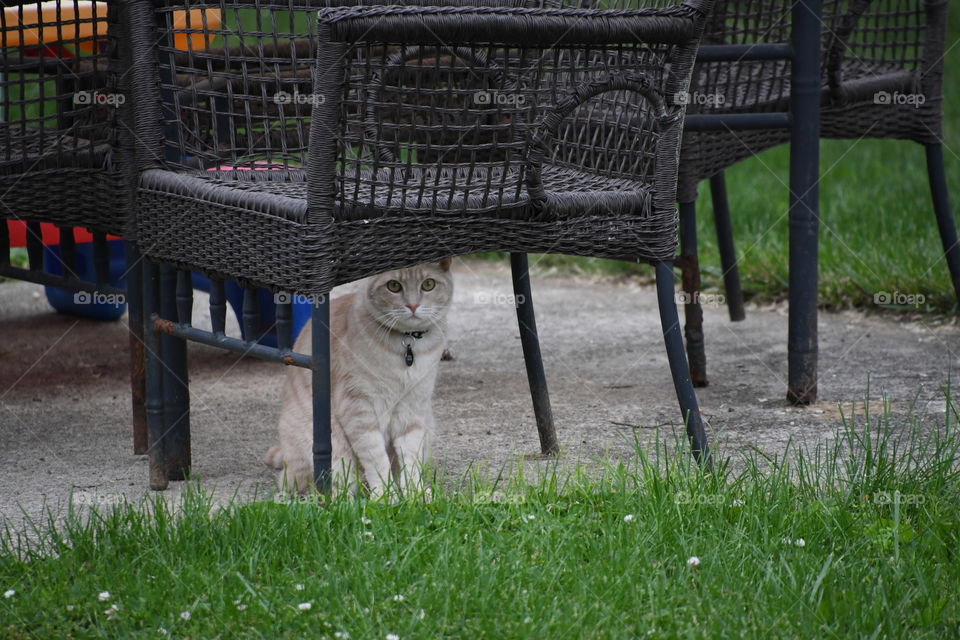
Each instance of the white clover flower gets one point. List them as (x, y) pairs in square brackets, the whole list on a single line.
[(737, 502), (341, 635), (392, 636), (527, 620), (693, 561), (422, 614), (305, 606), (185, 615), (800, 542), (786, 540), (104, 596), (9, 593), (530, 516), (628, 518), (398, 597), (298, 587), (365, 520), (368, 534), (241, 607)]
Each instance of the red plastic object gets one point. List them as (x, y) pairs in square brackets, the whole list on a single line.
[(51, 235)]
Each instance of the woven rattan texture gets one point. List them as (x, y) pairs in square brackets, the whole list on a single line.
[(298, 157), (59, 110), (882, 73)]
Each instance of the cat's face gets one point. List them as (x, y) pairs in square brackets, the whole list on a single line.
[(412, 299)]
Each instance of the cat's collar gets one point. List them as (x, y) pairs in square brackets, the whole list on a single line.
[(408, 344)]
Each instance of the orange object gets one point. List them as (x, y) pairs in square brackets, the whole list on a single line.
[(194, 19), (46, 23), (51, 22)]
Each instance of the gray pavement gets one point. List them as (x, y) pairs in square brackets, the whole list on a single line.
[(65, 406)]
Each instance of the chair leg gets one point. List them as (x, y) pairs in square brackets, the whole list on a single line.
[(176, 390), (320, 365), (153, 398), (941, 207), (728, 256), (692, 311), (526, 318), (134, 278), (805, 96), (687, 397)]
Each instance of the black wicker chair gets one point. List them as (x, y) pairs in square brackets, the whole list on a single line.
[(59, 158), (877, 57), (298, 157)]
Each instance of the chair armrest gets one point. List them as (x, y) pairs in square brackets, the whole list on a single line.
[(915, 29), (514, 26)]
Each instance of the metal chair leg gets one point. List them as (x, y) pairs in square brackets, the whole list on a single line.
[(138, 354), (153, 404), (941, 207), (176, 390), (692, 311), (802, 350), (320, 364), (728, 256), (687, 397), (536, 378)]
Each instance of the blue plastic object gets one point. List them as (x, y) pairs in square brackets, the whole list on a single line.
[(268, 309), (86, 305)]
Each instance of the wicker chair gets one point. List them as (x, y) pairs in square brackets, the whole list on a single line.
[(59, 150), (878, 56), (393, 136)]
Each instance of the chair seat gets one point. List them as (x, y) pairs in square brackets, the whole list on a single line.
[(33, 149), (447, 191), (764, 86)]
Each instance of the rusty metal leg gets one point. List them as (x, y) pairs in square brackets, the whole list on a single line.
[(138, 378), (692, 311), (153, 397)]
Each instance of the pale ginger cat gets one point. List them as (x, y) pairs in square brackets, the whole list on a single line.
[(386, 341)]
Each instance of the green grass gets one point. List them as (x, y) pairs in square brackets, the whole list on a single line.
[(878, 232), (878, 511)]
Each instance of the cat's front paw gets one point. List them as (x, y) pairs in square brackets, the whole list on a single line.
[(274, 458)]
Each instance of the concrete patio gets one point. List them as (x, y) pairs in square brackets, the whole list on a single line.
[(65, 405)]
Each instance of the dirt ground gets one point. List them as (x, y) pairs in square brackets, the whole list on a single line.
[(65, 405)]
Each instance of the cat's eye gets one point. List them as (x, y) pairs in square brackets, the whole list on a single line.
[(394, 286), (428, 284)]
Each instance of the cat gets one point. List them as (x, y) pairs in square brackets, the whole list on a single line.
[(386, 342)]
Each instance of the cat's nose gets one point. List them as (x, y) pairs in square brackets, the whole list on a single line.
[(413, 306)]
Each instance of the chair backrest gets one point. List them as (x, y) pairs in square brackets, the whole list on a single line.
[(57, 108), (422, 127), (59, 114)]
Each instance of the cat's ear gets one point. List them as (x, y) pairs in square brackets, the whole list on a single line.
[(445, 264)]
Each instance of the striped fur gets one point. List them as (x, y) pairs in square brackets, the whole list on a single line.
[(382, 408)]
